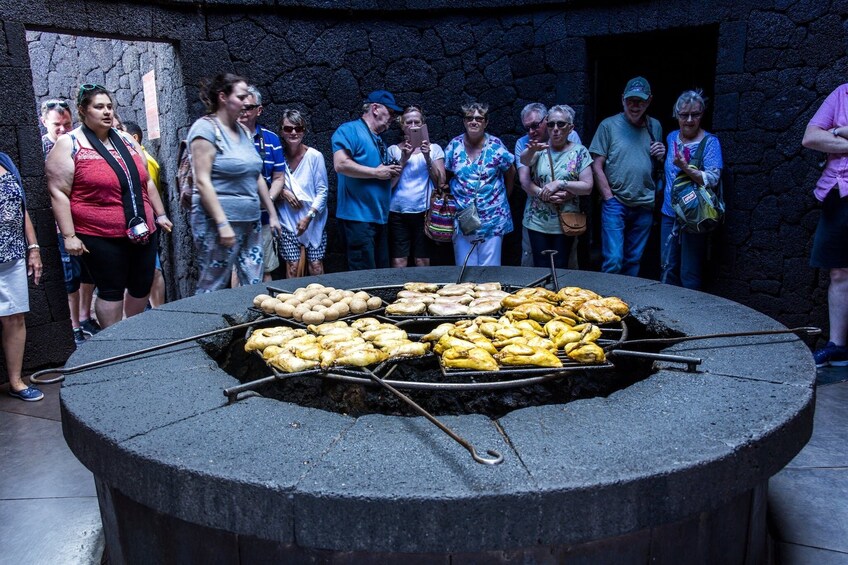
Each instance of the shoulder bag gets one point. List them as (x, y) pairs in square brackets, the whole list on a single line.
[(698, 208), (440, 216)]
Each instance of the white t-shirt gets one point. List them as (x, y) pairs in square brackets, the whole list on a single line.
[(412, 193)]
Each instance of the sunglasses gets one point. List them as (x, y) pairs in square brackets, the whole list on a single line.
[(50, 104), (560, 125), (289, 129), (86, 87), (249, 107), (533, 126), (480, 119), (690, 116)]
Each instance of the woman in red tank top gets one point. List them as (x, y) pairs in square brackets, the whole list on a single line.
[(98, 179)]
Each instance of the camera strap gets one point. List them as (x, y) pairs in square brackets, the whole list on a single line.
[(378, 143), (126, 172)]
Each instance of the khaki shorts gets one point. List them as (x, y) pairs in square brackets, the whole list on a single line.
[(270, 258)]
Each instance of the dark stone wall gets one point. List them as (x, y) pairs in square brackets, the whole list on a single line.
[(776, 62)]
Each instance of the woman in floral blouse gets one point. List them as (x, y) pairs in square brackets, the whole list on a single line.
[(555, 190), (481, 171)]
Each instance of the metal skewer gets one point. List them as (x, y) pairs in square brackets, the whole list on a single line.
[(85, 366), (495, 458), (552, 252), (464, 263)]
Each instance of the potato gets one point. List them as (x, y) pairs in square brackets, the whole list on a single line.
[(362, 295), (311, 302), (327, 302), (299, 312), (295, 302), (268, 305), (348, 293), (312, 293), (358, 306), (300, 294), (284, 296), (260, 298), (284, 309), (320, 296), (374, 302), (342, 308), (318, 307), (313, 318), (315, 285), (330, 314), (346, 300), (336, 295)]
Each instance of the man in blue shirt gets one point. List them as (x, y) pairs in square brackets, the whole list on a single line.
[(360, 158), (270, 148)]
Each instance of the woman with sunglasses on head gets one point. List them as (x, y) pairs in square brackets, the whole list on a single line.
[(423, 168), (481, 171), (303, 206), (561, 173), (106, 206), (228, 189), (682, 254)]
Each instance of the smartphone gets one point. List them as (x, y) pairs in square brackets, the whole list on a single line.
[(418, 135)]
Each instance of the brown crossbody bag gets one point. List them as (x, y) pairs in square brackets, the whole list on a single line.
[(571, 223)]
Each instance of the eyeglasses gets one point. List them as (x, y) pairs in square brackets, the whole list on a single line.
[(533, 126), (50, 104), (480, 119), (86, 87), (289, 129), (560, 125), (690, 116), (248, 107)]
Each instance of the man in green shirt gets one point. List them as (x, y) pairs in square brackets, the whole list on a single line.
[(623, 150)]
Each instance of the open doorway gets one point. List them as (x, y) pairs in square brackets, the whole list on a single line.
[(148, 90), (673, 61)]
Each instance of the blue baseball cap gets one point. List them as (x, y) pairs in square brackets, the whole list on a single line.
[(385, 98), (637, 88)]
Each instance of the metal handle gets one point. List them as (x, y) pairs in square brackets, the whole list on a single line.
[(552, 252), (691, 362), (85, 366), (809, 331), (464, 263), (496, 457)]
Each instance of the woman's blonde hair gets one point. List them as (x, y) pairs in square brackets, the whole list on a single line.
[(475, 107), (408, 109)]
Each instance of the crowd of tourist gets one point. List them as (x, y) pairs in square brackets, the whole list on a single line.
[(260, 198)]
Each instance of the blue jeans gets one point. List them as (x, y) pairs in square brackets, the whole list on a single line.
[(540, 241), (624, 234), (367, 244), (681, 255)]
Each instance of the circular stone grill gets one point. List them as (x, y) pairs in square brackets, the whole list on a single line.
[(674, 461)]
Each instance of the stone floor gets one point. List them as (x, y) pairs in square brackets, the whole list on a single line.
[(49, 513)]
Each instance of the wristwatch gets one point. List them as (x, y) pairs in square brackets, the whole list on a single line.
[(311, 214), (833, 131)]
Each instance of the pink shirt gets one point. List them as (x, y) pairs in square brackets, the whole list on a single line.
[(833, 113)]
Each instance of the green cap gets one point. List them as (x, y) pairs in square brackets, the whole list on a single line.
[(637, 88)]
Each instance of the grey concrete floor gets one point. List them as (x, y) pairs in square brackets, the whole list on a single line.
[(49, 513)]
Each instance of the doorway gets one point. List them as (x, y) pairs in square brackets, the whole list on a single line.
[(673, 61)]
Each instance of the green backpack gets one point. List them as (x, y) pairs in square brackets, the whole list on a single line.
[(698, 209)]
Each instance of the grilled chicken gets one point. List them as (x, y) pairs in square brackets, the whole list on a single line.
[(291, 363), (421, 287), (497, 294), (410, 295), (541, 312), (475, 359), (360, 358), (564, 338), (329, 328), (590, 332), (330, 341), (456, 289), (264, 337), (595, 311), (576, 291), (558, 325), (448, 341), (488, 286), (368, 322), (458, 299), (516, 354), (538, 293), (585, 352), (406, 308), (617, 305), (529, 326), (404, 348), (480, 306), (438, 332), (447, 309)]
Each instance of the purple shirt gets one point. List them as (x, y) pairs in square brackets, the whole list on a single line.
[(833, 114)]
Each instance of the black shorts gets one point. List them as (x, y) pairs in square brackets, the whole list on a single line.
[(116, 265), (830, 250), (406, 236)]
